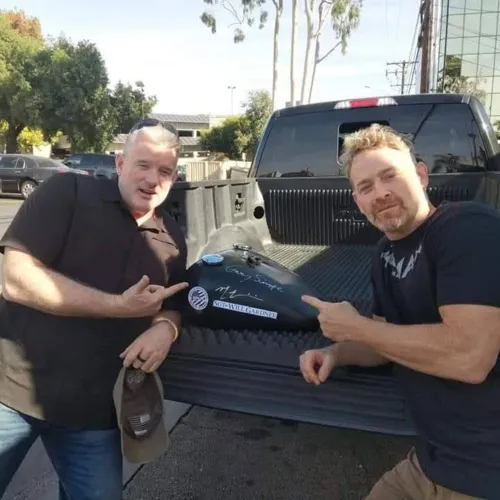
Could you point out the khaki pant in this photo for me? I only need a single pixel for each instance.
(408, 482)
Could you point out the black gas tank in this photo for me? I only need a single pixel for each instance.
(241, 289)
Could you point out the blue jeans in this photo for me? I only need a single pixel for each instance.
(88, 463)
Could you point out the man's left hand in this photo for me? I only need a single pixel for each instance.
(149, 350)
(337, 320)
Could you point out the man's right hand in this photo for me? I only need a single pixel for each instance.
(317, 364)
(143, 299)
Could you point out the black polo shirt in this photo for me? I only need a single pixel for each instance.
(62, 369)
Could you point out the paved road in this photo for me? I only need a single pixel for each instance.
(223, 455)
(8, 208)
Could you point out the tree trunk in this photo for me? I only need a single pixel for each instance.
(292, 52)
(310, 36)
(315, 64)
(11, 138)
(279, 9)
(322, 18)
(305, 76)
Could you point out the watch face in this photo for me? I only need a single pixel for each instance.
(212, 259)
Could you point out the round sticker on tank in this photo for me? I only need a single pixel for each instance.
(198, 298)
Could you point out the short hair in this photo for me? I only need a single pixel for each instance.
(155, 133)
(374, 137)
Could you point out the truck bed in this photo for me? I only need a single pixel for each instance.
(257, 372)
(338, 272)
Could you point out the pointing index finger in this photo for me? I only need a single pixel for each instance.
(313, 301)
(172, 290)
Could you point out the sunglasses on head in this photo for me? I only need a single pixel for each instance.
(153, 122)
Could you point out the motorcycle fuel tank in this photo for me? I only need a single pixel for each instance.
(243, 290)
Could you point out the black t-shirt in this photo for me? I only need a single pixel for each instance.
(453, 258)
(62, 369)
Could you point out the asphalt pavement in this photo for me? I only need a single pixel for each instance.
(220, 455)
(8, 208)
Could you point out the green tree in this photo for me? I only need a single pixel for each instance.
(74, 95)
(130, 104)
(452, 81)
(258, 108)
(344, 17)
(57, 86)
(28, 139)
(230, 138)
(240, 134)
(4, 127)
(242, 12)
(17, 95)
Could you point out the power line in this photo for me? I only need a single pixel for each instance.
(400, 71)
(414, 41)
(405, 83)
(413, 74)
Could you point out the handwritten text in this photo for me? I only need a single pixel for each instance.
(226, 293)
(261, 280)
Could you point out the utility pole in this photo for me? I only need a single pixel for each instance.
(424, 44)
(400, 71)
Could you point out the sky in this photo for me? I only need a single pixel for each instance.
(164, 44)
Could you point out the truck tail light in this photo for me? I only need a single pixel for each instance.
(366, 103)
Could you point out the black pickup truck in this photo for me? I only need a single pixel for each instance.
(296, 210)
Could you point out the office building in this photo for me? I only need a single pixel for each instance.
(465, 49)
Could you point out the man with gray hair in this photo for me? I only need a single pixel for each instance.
(89, 270)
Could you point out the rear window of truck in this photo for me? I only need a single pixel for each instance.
(446, 138)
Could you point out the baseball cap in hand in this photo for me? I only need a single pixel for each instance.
(138, 399)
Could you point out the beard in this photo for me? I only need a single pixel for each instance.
(392, 224)
(391, 216)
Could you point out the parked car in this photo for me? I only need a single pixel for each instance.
(23, 173)
(97, 164)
